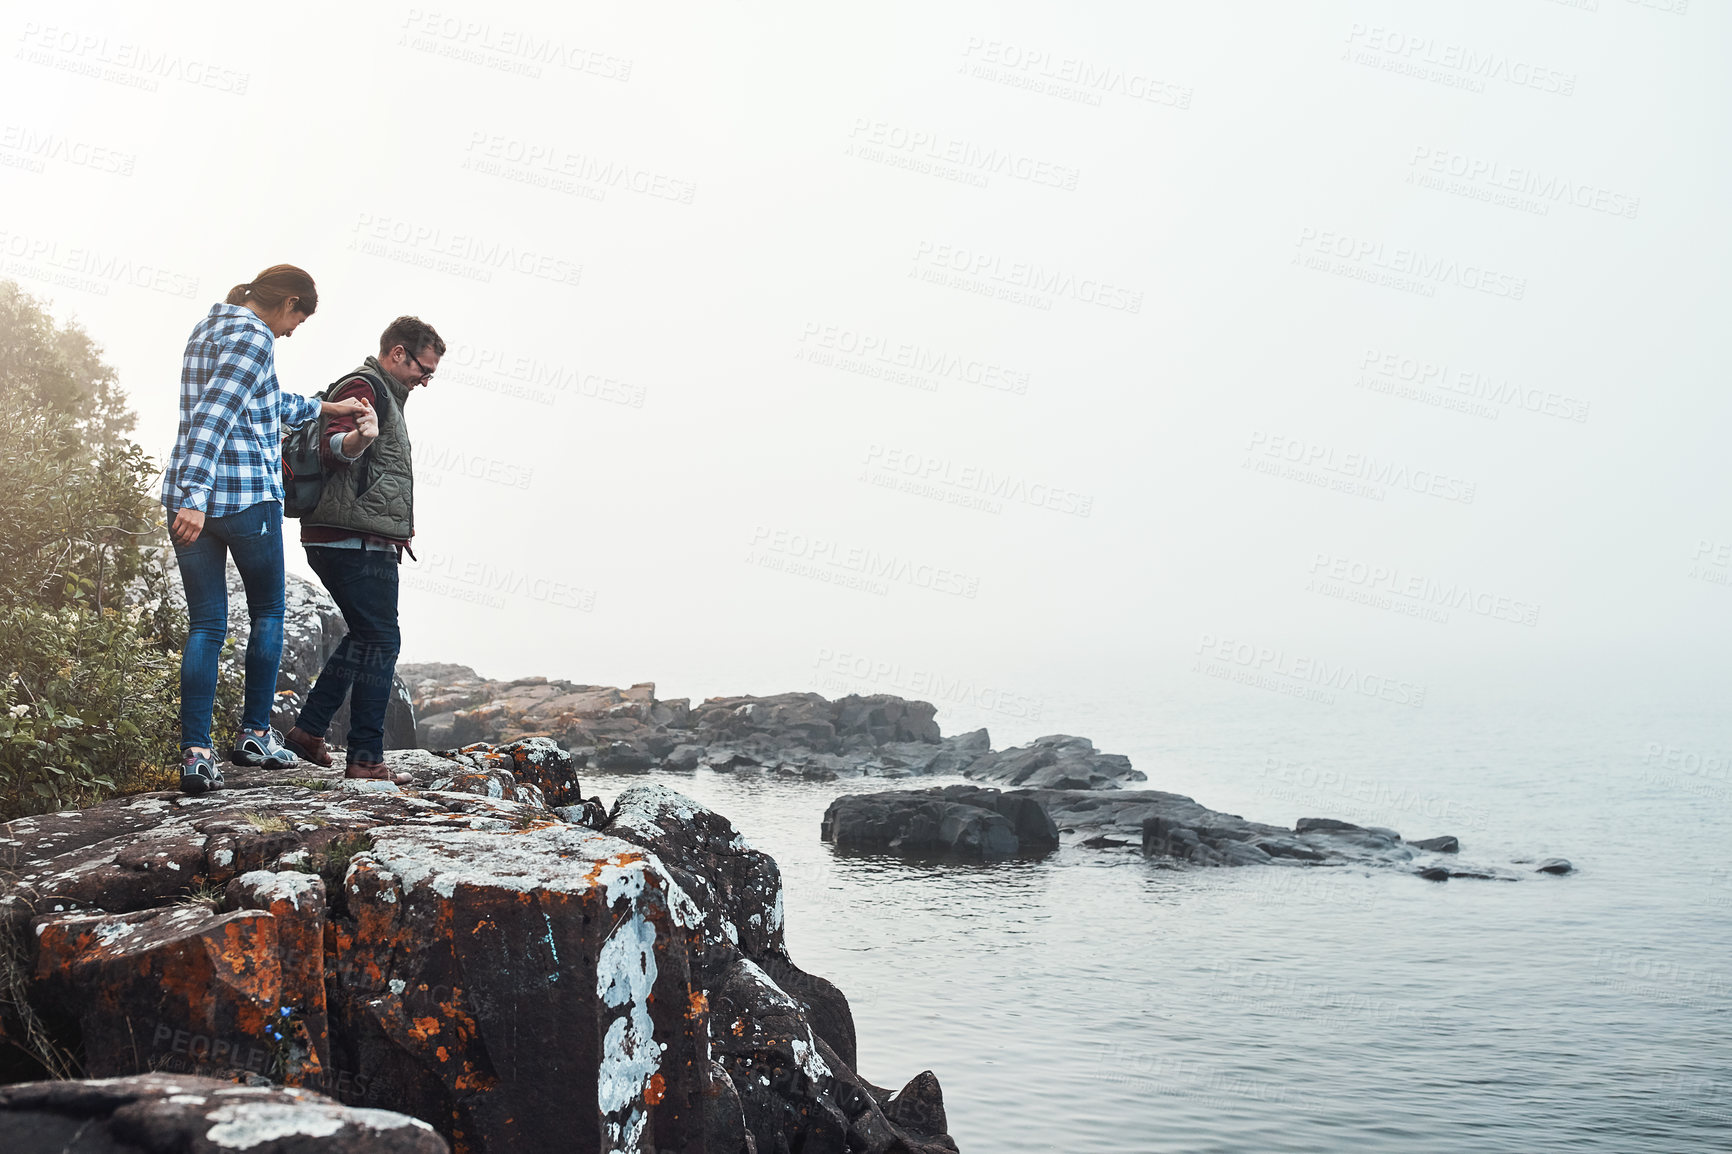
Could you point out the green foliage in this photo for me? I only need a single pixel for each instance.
(89, 640)
(58, 369)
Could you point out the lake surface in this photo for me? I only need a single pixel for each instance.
(1096, 1002)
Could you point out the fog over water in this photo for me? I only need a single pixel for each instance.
(1267, 391)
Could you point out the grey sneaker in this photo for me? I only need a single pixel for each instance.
(199, 775)
(267, 751)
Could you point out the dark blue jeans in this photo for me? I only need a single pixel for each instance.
(254, 537)
(363, 583)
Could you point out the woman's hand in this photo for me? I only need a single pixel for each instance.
(353, 407)
(186, 526)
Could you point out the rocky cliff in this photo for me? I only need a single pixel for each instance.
(486, 951)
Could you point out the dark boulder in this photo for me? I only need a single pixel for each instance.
(1554, 865)
(956, 821)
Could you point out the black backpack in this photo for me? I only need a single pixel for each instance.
(303, 468)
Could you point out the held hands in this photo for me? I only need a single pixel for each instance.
(186, 526)
(367, 422)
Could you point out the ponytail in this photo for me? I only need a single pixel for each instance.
(276, 285)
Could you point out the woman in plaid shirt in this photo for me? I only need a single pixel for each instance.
(223, 490)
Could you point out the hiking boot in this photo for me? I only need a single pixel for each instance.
(374, 771)
(307, 747)
(266, 751)
(199, 774)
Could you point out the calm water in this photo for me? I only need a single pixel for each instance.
(1095, 1003)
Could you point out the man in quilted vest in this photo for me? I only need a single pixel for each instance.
(355, 539)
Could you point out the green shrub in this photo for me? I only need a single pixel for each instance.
(89, 640)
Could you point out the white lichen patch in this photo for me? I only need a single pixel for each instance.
(290, 886)
(222, 858)
(249, 1124)
(560, 858)
(111, 932)
(625, 973)
(397, 985)
(642, 809)
(361, 785)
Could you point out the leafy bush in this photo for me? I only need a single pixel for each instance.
(89, 640)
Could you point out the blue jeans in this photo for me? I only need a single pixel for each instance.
(254, 537)
(363, 583)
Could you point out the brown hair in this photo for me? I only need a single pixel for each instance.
(413, 333)
(276, 285)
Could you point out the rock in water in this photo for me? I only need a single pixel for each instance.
(1058, 761)
(164, 1112)
(955, 821)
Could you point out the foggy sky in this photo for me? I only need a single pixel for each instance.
(1001, 345)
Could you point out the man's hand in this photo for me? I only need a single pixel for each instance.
(365, 432)
(186, 526)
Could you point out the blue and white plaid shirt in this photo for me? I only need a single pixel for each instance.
(228, 453)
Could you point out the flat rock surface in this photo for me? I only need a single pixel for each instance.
(171, 1114)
